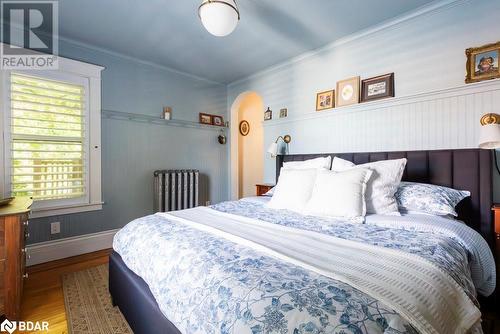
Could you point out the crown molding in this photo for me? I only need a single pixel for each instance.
(429, 9)
(89, 47)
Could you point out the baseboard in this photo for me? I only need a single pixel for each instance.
(59, 249)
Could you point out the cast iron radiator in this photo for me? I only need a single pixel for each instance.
(176, 189)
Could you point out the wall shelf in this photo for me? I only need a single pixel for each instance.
(126, 116)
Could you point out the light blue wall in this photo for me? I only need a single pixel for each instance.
(426, 53)
(131, 151)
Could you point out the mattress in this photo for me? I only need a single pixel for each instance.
(209, 283)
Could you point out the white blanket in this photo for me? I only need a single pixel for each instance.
(415, 288)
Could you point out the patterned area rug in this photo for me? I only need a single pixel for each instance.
(88, 303)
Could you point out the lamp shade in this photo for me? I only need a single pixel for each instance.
(489, 136)
(273, 149)
(219, 17)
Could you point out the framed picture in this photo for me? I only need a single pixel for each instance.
(348, 92)
(376, 88)
(217, 120)
(325, 100)
(244, 128)
(283, 113)
(268, 114)
(205, 118)
(482, 63)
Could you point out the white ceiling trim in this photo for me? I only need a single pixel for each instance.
(429, 9)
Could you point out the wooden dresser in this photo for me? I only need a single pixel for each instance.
(263, 188)
(13, 223)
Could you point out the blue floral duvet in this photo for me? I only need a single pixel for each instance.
(207, 284)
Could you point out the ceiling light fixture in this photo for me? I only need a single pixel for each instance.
(219, 17)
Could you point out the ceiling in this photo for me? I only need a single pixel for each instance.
(169, 32)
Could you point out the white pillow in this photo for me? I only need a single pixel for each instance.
(339, 194)
(316, 163)
(293, 190)
(382, 185)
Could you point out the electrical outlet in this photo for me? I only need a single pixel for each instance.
(55, 227)
(207, 203)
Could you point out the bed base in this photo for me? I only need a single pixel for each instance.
(132, 295)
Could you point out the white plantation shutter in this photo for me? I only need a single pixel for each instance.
(47, 136)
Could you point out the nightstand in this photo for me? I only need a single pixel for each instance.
(496, 210)
(263, 188)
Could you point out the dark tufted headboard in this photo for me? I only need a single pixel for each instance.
(464, 169)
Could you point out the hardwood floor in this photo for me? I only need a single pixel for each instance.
(43, 298)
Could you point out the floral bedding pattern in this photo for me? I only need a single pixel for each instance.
(429, 198)
(206, 284)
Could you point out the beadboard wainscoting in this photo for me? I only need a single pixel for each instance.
(442, 119)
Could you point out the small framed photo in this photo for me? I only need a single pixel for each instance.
(217, 120)
(482, 63)
(379, 87)
(268, 114)
(205, 118)
(348, 92)
(283, 113)
(325, 100)
(244, 128)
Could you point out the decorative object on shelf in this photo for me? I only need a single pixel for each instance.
(483, 63)
(205, 118)
(489, 134)
(217, 120)
(222, 137)
(273, 148)
(379, 87)
(167, 113)
(348, 91)
(244, 128)
(219, 17)
(268, 114)
(283, 113)
(325, 100)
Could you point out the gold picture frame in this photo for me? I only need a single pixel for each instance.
(325, 100)
(348, 91)
(483, 63)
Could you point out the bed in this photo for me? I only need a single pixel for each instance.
(239, 267)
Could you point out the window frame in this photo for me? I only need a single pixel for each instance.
(72, 71)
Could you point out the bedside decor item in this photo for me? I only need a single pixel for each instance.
(205, 118)
(167, 113)
(6, 201)
(379, 87)
(348, 92)
(217, 120)
(483, 63)
(219, 17)
(283, 113)
(268, 114)
(325, 100)
(222, 137)
(489, 134)
(244, 128)
(273, 148)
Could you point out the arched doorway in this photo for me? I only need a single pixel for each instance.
(247, 165)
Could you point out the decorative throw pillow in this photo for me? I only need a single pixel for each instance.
(293, 190)
(382, 185)
(339, 194)
(316, 163)
(429, 198)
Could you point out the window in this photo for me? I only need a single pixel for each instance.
(47, 138)
(51, 142)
